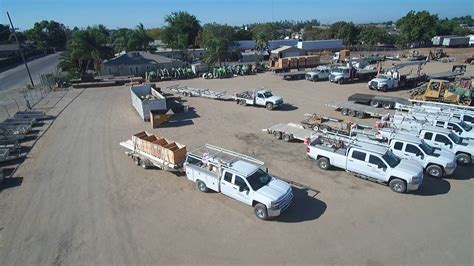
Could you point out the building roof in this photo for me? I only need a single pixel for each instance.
(259, 53)
(284, 48)
(244, 45)
(138, 58)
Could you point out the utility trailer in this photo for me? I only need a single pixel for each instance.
(38, 115)
(290, 131)
(148, 150)
(8, 135)
(359, 110)
(15, 129)
(327, 124)
(8, 154)
(9, 144)
(203, 93)
(21, 121)
(386, 102)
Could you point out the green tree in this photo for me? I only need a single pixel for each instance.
(48, 34)
(346, 31)
(373, 35)
(317, 34)
(262, 33)
(242, 34)
(450, 27)
(416, 26)
(4, 33)
(216, 38)
(181, 30)
(154, 33)
(86, 50)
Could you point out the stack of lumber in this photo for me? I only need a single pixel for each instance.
(160, 147)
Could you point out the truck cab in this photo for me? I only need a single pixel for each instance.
(446, 139)
(339, 74)
(318, 74)
(383, 82)
(459, 127)
(260, 98)
(436, 161)
(239, 177)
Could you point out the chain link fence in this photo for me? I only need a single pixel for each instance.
(25, 98)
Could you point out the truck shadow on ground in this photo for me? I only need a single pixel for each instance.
(9, 181)
(432, 187)
(287, 107)
(304, 207)
(462, 173)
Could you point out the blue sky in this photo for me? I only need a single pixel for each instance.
(123, 13)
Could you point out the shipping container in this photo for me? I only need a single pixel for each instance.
(456, 41)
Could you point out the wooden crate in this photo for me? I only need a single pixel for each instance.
(160, 147)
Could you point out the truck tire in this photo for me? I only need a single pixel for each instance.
(344, 112)
(374, 103)
(136, 159)
(397, 185)
(242, 102)
(201, 186)
(316, 128)
(388, 105)
(261, 211)
(286, 137)
(324, 129)
(339, 82)
(277, 134)
(435, 171)
(323, 163)
(269, 106)
(384, 88)
(351, 112)
(144, 164)
(360, 115)
(463, 158)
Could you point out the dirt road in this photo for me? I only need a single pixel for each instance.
(82, 201)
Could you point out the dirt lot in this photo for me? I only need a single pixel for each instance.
(82, 201)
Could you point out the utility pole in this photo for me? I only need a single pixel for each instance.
(21, 51)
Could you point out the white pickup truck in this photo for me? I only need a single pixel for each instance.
(440, 138)
(416, 122)
(445, 139)
(320, 73)
(259, 98)
(368, 161)
(383, 82)
(239, 177)
(436, 162)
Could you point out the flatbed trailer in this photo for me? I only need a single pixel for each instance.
(447, 75)
(144, 159)
(203, 93)
(294, 75)
(386, 102)
(359, 110)
(290, 131)
(327, 124)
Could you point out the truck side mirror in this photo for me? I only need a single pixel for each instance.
(266, 170)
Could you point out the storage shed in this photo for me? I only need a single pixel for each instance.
(286, 51)
(456, 41)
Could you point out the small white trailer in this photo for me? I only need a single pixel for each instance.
(203, 93)
(145, 99)
(290, 131)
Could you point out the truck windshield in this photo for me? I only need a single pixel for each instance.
(259, 179)
(426, 148)
(391, 159)
(455, 138)
(465, 126)
(267, 94)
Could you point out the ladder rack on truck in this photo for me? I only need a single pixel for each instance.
(359, 110)
(204, 93)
